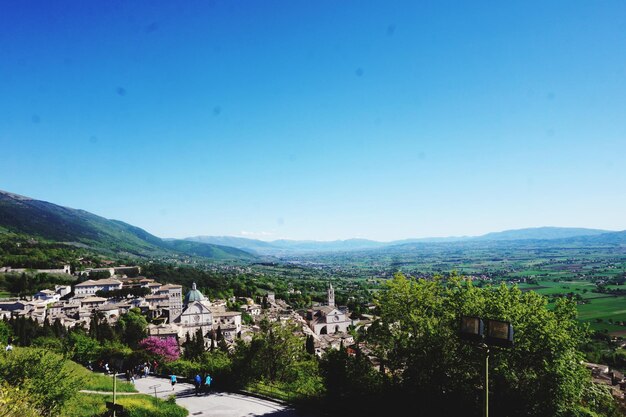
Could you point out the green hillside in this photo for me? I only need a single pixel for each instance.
(23, 215)
(207, 250)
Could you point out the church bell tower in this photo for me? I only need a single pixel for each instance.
(331, 295)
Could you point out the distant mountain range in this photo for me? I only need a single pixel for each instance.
(283, 246)
(542, 233)
(49, 221)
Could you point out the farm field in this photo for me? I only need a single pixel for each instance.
(616, 287)
(608, 308)
(560, 287)
(603, 312)
(552, 269)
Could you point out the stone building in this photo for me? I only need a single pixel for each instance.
(328, 319)
(196, 314)
(174, 293)
(229, 322)
(90, 287)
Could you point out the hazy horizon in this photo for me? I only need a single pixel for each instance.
(318, 121)
(271, 239)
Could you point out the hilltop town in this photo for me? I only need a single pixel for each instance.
(170, 313)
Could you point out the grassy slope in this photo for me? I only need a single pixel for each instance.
(90, 405)
(208, 250)
(98, 382)
(62, 224)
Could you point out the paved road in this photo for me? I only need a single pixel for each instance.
(215, 404)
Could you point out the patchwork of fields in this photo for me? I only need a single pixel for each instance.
(604, 312)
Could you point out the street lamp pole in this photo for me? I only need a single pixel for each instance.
(486, 400)
(486, 333)
(114, 391)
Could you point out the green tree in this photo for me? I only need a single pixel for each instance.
(132, 327)
(99, 327)
(83, 348)
(246, 318)
(99, 274)
(350, 381)
(24, 329)
(193, 347)
(59, 329)
(5, 332)
(271, 352)
(416, 340)
(219, 365)
(50, 343)
(310, 345)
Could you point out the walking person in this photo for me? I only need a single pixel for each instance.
(146, 370)
(198, 381)
(173, 380)
(207, 383)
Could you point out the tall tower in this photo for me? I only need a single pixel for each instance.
(331, 295)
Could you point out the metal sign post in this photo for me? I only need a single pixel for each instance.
(114, 392)
(487, 382)
(155, 392)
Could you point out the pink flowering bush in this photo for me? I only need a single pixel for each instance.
(166, 348)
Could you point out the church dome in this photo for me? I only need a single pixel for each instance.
(193, 295)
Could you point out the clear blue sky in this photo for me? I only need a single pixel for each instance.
(318, 119)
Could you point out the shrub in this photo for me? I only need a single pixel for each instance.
(43, 375)
(15, 403)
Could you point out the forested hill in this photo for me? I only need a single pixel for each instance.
(49, 221)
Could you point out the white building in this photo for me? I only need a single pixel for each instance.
(90, 287)
(229, 322)
(195, 315)
(92, 302)
(110, 311)
(252, 309)
(199, 313)
(47, 296)
(62, 290)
